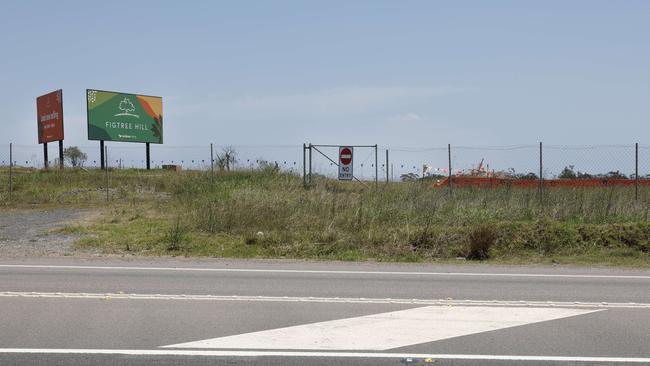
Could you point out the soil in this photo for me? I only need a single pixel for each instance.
(33, 232)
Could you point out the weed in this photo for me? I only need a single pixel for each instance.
(175, 236)
(481, 240)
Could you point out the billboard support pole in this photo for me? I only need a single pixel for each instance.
(61, 154)
(148, 156)
(101, 153)
(46, 163)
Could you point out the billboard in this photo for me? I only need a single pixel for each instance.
(49, 114)
(114, 116)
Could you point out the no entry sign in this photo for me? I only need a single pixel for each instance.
(345, 162)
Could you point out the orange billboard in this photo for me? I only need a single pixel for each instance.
(49, 111)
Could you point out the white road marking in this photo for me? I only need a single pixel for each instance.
(354, 300)
(333, 272)
(136, 352)
(384, 331)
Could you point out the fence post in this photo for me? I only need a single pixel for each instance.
(106, 171)
(541, 178)
(636, 171)
(451, 186)
(304, 164)
(310, 148)
(386, 165)
(376, 168)
(11, 163)
(211, 163)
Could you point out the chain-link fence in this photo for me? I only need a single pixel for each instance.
(195, 157)
(412, 163)
(644, 161)
(614, 161)
(536, 166)
(519, 162)
(322, 160)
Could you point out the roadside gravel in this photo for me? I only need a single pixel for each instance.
(32, 232)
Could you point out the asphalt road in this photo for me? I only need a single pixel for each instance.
(67, 311)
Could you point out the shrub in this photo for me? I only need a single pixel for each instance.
(480, 241)
(422, 240)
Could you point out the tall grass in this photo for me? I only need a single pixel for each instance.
(275, 215)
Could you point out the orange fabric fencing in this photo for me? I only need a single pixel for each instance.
(490, 182)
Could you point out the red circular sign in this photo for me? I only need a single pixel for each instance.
(345, 156)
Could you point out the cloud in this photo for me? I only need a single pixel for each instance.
(352, 99)
(405, 118)
(325, 114)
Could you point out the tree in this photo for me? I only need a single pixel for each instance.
(409, 177)
(267, 166)
(567, 173)
(74, 156)
(583, 175)
(616, 175)
(227, 158)
(528, 176)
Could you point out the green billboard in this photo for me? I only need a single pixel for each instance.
(114, 116)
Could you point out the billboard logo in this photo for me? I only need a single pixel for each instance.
(92, 96)
(126, 106)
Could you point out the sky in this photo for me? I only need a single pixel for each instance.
(396, 73)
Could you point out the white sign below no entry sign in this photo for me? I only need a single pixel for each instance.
(345, 162)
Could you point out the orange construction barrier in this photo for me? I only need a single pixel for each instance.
(492, 182)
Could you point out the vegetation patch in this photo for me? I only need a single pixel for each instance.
(267, 213)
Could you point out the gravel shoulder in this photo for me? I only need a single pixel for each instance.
(33, 232)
